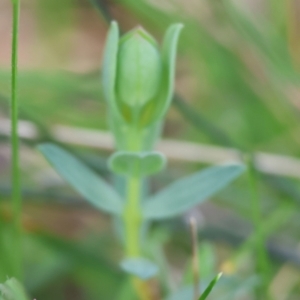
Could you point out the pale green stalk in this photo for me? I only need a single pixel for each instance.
(133, 221)
(15, 172)
(132, 213)
(132, 217)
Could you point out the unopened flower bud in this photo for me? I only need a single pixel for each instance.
(139, 69)
(138, 78)
(138, 83)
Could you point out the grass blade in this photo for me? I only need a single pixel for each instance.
(210, 287)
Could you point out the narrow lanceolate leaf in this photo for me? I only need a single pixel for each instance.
(190, 191)
(210, 287)
(155, 110)
(81, 178)
(169, 50)
(109, 67)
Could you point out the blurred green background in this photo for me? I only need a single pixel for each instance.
(237, 95)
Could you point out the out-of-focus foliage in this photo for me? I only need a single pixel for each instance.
(237, 86)
(12, 289)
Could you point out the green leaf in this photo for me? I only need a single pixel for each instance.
(140, 267)
(109, 68)
(155, 110)
(86, 182)
(190, 191)
(210, 287)
(12, 290)
(137, 163)
(169, 50)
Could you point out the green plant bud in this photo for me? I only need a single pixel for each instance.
(138, 83)
(139, 69)
(138, 77)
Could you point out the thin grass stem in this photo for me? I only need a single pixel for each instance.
(257, 218)
(15, 171)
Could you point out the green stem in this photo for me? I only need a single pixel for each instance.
(15, 172)
(133, 221)
(257, 218)
(134, 140)
(132, 217)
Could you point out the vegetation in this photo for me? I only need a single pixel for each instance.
(235, 107)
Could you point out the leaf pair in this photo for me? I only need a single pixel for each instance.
(171, 201)
(137, 163)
